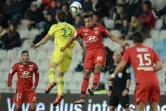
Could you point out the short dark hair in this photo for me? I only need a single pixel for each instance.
(138, 37)
(87, 16)
(148, 4)
(62, 15)
(24, 51)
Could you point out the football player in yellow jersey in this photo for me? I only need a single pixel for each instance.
(62, 32)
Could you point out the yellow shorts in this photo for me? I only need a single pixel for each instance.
(62, 58)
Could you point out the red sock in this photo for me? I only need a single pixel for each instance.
(84, 86)
(17, 110)
(96, 80)
(31, 109)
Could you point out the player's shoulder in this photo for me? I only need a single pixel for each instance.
(18, 64)
(54, 25)
(32, 63)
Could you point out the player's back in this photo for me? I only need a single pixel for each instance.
(143, 59)
(62, 32)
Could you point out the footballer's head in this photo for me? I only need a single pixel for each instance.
(138, 38)
(88, 21)
(61, 16)
(117, 57)
(25, 56)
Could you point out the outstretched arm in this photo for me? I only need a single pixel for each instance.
(115, 39)
(43, 41)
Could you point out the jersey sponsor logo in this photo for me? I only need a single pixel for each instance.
(20, 66)
(99, 58)
(30, 65)
(25, 74)
(92, 39)
(85, 30)
(120, 75)
(127, 70)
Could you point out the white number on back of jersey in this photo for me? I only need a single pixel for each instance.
(145, 57)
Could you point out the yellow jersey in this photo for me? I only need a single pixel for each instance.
(62, 32)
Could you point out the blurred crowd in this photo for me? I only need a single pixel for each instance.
(129, 16)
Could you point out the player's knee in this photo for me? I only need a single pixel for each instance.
(112, 108)
(32, 107)
(98, 66)
(153, 107)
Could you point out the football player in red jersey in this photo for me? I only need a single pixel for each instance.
(142, 59)
(25, 86)
(95, 53)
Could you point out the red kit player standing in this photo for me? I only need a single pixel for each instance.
(142, 59)
(95, 55)
(25, 87)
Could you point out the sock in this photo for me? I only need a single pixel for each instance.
(60, 82)
(96, 80)
(84, 86)
(31, 109)
(51, 75)
(17, 110)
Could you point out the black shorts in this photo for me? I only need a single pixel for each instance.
(117, 97)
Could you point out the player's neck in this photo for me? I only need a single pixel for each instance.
(137, 44)
(25, 63)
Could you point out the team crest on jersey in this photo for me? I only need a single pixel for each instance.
(30, 65)
(120, 75)
(96, 28)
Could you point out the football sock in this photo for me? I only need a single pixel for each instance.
(31, 109)
(60, 82)
(51, 75)
(96, 80)
(84, 86)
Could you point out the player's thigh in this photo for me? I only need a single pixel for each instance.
(31, 97)
(100, 57)
(124, 101)
(154, 93)
(56, 57)
(89, 60)
(114, 101)
(140, 106)
(65, 64)
(154, 106)
(19, 97)
(112, 108)
(141, 94)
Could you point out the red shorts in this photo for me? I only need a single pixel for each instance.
(146, 94)
(21, 96)
(93, 57)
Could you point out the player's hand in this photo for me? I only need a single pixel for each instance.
(62, 49)
(33, 87)
(36, 45)
(109, 93)
(125, 92)
(126, 44)
(10, 88)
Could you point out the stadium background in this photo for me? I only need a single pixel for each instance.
(19, 13)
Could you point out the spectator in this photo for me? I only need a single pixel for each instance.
(136, 25)
(8, 9)
(124, 29)
(147, 17)
(100, 8)
(47, 24)
(53, 8)
(78, 21)
(96, 19)
(159, 14)
(120, 16)
(2, 17)
(35, 17)
(69, 18)
(46, 3)
(2, 33)
(87, 5)
(101, 89)
(11, 38)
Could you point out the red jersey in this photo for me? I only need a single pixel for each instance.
(142, 59)
(93, 36)
(25, 75)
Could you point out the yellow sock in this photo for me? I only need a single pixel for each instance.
(60, 85)
(51, 75)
